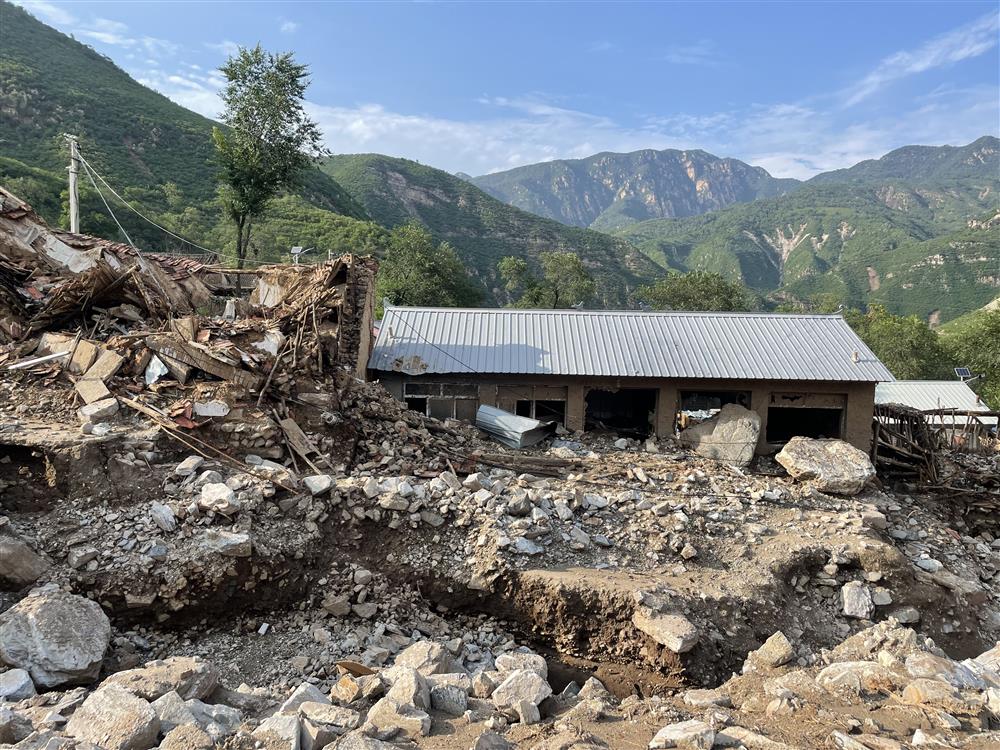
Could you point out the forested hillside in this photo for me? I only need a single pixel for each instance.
(482, 229)
(852, 243)
(157, 154)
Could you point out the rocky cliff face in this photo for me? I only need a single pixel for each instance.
(608, 191)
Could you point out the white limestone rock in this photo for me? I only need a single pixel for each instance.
(856, 599)
(832, 465)
(730, 436)
(114, 719)
(15, 685)
(673, 631)
(58, 638)
(690, 735)
(520, 685)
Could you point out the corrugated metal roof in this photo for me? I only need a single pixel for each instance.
(932, 394)
(744, 346)
(510, 429)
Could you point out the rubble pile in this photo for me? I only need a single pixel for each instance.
(214, 533)
(883, 688)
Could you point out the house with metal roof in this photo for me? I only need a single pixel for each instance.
(633, 372)
(935, 396)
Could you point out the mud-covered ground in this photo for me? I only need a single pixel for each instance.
(411, 538)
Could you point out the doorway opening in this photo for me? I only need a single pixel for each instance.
(542, 410)
(628, 411)
(784, 423)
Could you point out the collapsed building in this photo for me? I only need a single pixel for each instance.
(636, 372)
(244, 544)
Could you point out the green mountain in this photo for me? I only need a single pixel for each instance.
(154, 152)
(159, 156)
(919, 165)
(915, 230)
(608, 191)
(481, 228)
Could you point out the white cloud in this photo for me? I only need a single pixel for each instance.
(702, 52)
(522, 132)
(225, 47)
(789, 139)
(959, 44)
(101, 30)
(196, 91)
(47, 11)
(288, 27)
(603, 45)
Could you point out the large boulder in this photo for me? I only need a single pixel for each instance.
(391, 717)
(673, 631)
(428, 657)
(833, 465)
(189, 677)
(58, 638)
(730, 436)
(114, 719)
(19, 565)
(521, 685)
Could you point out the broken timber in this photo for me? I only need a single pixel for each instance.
(173, 348)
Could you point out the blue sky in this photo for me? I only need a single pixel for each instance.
(795, 87)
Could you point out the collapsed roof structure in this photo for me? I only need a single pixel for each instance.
(149, 331)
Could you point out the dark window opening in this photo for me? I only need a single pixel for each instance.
(784, 423)
(441, 408)
(629, 411)
(417, 404)
(541, 409)
(697, 406)
(713, 400)
(551, 411)
(465, 408)
(422, 389)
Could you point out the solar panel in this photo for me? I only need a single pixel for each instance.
(963, 372)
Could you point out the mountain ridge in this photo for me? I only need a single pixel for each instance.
(615, 189)
(481, 228)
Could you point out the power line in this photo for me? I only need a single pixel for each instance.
(518, 391)
(104, 200)
(135, 210)
(435, 346)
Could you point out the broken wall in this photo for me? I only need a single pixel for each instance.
(504, 391)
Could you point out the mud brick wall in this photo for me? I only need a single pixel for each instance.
(354, 341)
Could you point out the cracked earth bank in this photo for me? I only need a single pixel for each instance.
(435, 590)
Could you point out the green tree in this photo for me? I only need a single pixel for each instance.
(905, 344)
(698, 290)
(565, 281)
(269, 141)
(416, 271)
(977, 346)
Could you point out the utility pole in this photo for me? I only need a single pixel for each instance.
(74, 197)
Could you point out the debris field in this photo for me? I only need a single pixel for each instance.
(215, 534)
